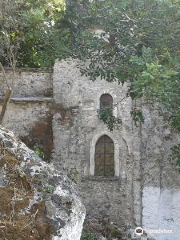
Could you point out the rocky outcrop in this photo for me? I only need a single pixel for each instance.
(36, 201)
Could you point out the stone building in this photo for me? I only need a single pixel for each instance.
(125, 175)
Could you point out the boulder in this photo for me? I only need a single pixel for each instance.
(36, 201)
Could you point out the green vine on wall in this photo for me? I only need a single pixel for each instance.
(38, 151)
(112, 122)
(137, 116)
(175, 155)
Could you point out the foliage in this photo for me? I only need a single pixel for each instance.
(112, 122)
(38, 151)
(29, 31)
(49, 188)
(175, 155)
(73, 174)
(137, 116)
(139, 44)
(86, 235)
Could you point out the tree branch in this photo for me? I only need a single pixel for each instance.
(5, 103)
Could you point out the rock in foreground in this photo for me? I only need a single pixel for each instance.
(36, 201)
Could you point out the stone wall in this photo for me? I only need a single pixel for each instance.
(146, 186)
(147, 190)
(117, 198)
(28, 83)
(29, 111)
(161, 179)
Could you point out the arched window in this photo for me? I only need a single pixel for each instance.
(104, 157)
(106, 101)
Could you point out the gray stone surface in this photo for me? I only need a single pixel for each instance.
(63, 207)
(161, 179)
(75, 139)
(30, 99)
(22, 117)
(148, 184)
(28, 83)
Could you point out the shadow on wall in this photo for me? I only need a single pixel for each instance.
(40, 138)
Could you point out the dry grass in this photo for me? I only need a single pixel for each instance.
(15, 222)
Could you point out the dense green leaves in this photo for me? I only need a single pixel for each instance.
(112, 122)
(138, 43)
(28, 32)
(137, 116)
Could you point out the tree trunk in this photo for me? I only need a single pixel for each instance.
(5, 103)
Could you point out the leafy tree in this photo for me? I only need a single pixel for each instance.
(30, 28)
(26, 29)
(139, 44)
(112, 122)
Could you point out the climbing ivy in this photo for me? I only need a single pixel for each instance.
(175, 155)
(137, 116)
(112, 122)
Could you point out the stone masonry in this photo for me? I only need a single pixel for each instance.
(61, 107)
